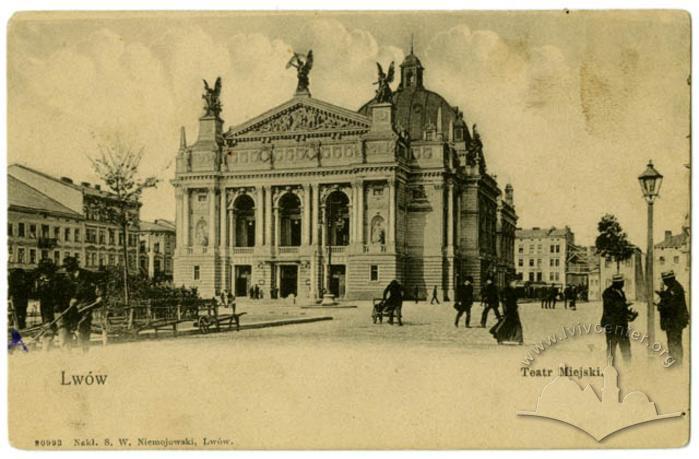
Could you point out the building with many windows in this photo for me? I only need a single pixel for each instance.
(55, 218)
(542, 254)
(310, 197)
(673, 253)
(157, 247)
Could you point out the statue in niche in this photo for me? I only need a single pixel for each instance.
(201, 233)
(378, 234)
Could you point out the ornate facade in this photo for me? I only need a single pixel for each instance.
(310, 197)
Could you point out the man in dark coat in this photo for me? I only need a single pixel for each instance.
(47, 290)
(674, 316)
(615, 318)
(393, 301)
(464, 301)
(81, 291)
(491, 300)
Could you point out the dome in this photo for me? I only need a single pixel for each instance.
(418, 109)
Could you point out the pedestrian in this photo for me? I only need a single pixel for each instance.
(566, 296)
(19, 287)
(434, 296)
(223, 298)
(464, 301)
(573, 297)
(81, 292)
(393, 301)
(615, 318)
(230, 298)
(508, 329)
(553, 297)
(544, 294)
(674, 315)
(47, 292)
(416, 292)
(490, 298)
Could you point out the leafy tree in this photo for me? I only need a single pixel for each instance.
(116, 164)
(612, 242)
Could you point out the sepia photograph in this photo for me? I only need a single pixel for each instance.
(395, 230)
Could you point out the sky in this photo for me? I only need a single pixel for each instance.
(570, 106)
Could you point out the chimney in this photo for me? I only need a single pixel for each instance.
(98, 187)
(668, 234)
(87, 184)
(66, 179)
(536, 228)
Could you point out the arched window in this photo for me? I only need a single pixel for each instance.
(290, 220)
(244, 211)
(337, 208)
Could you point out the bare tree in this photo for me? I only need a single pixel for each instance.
(117, 163)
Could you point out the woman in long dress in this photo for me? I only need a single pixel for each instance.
(509, 328)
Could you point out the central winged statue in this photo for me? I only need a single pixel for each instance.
(303, 67)
(383, 91)
(212, 98)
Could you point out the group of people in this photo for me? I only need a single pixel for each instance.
(67, 295)
(225, 299)
(617, 314)
(550, 295)
(255, 292)
(508, 328)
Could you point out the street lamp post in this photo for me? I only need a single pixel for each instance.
(650, 181)
(328, 297)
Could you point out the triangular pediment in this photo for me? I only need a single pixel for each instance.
(300, 115)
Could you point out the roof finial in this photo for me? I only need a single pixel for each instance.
(412, 43)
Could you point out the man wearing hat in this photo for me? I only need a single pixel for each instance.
(464, 301)
(491, 300)
(615, 318)
(674, 316)
(47, 290)
(80, 291)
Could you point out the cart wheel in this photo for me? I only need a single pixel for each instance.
(204, 324)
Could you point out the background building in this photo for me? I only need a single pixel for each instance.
(54, 217)
(633, 272)
(157, 248)
(543, 255)
(673, 253)
(310, 196)
(40, 227)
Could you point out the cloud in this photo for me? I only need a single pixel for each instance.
(562, 125)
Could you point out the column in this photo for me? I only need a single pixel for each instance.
(223, 209)
(450, 215)
(268, 216)
(450, 241)
(185, 219)
(259, 217)
(359, 209)
(315, 217)
(277, 227)
(232, 228)
(212, 217)
(179, 220)
(323, 226)
(353, 215)
(306, 226)
(392, 214)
